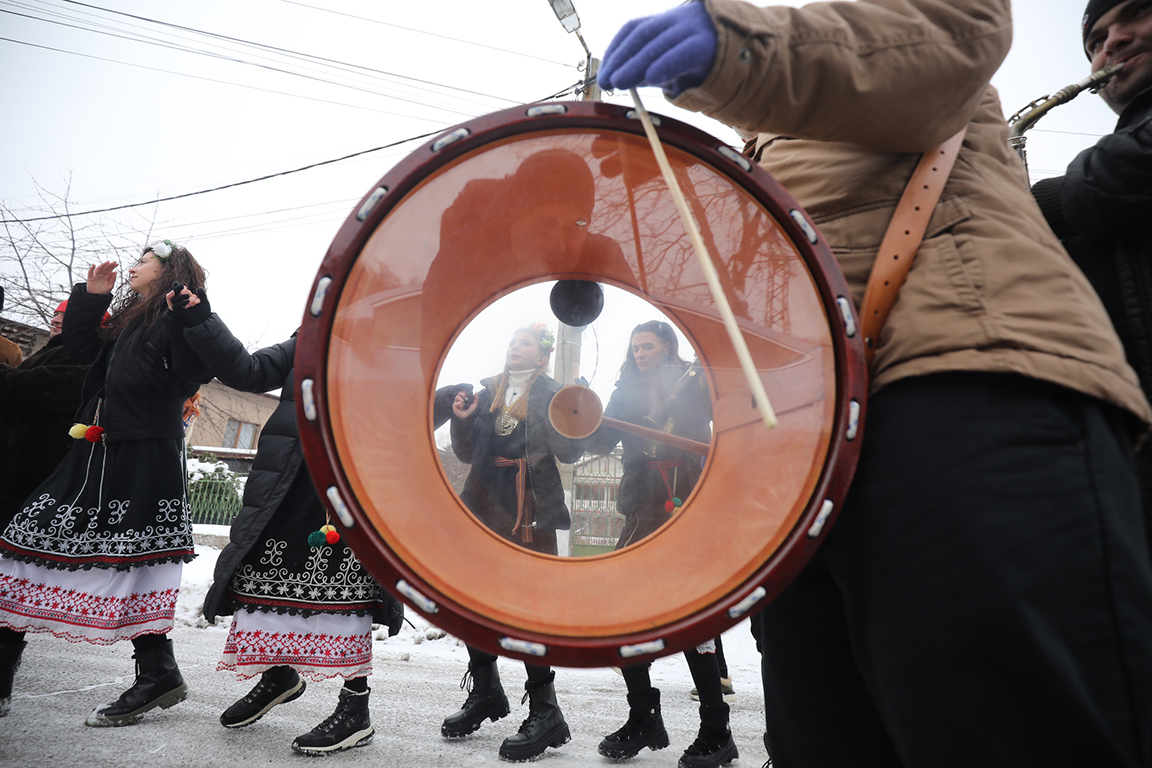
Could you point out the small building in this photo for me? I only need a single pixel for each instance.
(28, 337)
(229, 424)
(596, 525)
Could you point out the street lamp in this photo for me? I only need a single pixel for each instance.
(566, 12)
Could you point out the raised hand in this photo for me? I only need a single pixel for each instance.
(464, 405)
(102, 278)
(673, 50)
(189, 309)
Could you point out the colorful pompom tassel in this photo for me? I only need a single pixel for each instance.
(90, 433)
(673, 505)
(326, 535)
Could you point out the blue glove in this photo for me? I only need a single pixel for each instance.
(673, 50)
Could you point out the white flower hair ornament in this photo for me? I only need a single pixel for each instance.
(163, 249)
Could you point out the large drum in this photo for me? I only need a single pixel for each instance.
(450, 253)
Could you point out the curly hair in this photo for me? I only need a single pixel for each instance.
(129, 306)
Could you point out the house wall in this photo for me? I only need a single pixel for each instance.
(218, 405)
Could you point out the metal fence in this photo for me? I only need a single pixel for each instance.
(596, 525)
(216, 500)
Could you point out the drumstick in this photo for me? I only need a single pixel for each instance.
(655, 435)
(709, 269)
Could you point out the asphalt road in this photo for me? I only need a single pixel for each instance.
(415, 684)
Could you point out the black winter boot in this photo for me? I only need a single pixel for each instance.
(544, 727)
(714, 745)
(9, 663)
(278, 685)
(158, 684)
(645, 728)
(349, 726)
(486, 700)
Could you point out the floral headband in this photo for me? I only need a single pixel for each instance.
(163, 249)
(547, 338)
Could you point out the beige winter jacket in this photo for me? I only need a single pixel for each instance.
(848, 95)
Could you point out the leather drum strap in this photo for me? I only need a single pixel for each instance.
(903, 238)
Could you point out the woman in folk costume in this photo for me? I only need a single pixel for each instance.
(514, 488)
(303, 605)
(97, 551)
(659, 390)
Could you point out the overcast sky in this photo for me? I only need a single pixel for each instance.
(130, 109)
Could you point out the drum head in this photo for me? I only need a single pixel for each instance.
(501, 208)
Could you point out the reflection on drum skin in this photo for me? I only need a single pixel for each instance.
(660, 390)
(514, 488)
(535, 220)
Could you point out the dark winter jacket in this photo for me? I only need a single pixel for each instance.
(279, 456)
(38, 403)
(670, 400)
(1100, 209)
(473, 439)
(144, 376)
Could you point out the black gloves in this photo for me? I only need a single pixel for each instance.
(185, 315)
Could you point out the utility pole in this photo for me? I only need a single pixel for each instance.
(566, 13)
(591, 87)
(566, 368)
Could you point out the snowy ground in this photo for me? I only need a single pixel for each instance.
(414, 685)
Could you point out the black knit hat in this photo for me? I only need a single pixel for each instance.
(1092, 14)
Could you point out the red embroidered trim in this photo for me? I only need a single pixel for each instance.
(323, 655)
(53, 604)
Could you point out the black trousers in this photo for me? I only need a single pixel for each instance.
(536, 673)
(705, 671)
(985, 597)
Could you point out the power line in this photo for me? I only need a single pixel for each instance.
(1069, 133)
(222, 187)
(214, 80)
(234, 60)
(288, 52)
(430, 34)
(553, 96)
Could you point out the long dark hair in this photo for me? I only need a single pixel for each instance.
(130, 307)
(665, 333)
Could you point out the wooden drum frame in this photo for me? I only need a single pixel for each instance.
(428, 248)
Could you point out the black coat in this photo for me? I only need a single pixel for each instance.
(279, 455)
(145, 376)
(38, 403)
(1101, 209)
(666, 400)
(473, 438)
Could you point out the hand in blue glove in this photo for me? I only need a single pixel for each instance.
(673, 50)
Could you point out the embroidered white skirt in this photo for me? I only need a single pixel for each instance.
(100, 605)
(320, 646)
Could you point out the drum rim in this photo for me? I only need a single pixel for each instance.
(841, 457)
